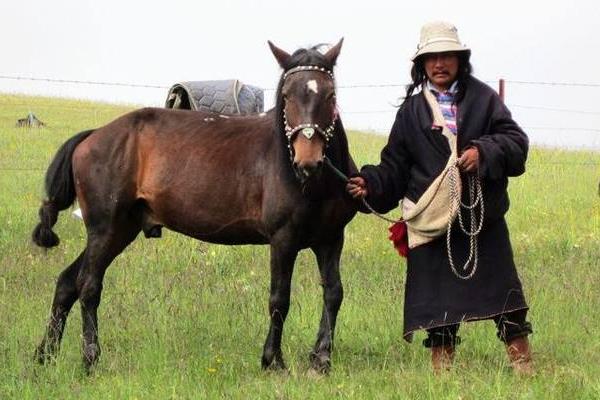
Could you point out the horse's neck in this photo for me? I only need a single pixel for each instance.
(339, 152)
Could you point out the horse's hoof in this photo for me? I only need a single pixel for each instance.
(320, 363)
(277, 364)
(91, 353)
(40, 355)
(153, 231)
(44, 355)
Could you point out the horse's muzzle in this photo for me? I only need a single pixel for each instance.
(305, 171)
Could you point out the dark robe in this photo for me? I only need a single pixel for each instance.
(414, 156)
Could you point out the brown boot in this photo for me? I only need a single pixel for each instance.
(441, 358)
(519, 355)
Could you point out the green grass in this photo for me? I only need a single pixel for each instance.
(184, 319)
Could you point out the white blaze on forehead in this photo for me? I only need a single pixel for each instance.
(312, 85)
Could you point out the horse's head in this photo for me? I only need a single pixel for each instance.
(306, 105)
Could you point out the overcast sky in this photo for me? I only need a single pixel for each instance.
(164, 42)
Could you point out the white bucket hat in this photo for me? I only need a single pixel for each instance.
(438, 37)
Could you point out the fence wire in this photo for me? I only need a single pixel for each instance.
(92, 108)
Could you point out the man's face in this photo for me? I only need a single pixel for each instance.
(441, 68)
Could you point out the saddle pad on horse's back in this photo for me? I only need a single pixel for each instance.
(224, 97)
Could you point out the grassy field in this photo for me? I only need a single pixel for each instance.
(184, 319)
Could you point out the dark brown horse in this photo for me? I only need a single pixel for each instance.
(229, 180)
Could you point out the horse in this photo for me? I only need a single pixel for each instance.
(230, 180)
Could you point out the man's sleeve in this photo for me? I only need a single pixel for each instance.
(387, 182)
(503, 151)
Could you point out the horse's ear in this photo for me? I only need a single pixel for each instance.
(334, 52)
(281, 56)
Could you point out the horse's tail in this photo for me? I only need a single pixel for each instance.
(60, 191)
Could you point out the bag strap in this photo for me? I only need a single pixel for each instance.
(438, 120)
(432, 191)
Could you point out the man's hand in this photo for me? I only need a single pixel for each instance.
(357, 187)
(469, 161)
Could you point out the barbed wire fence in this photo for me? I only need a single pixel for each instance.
(594, 130)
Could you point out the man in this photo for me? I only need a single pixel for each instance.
(453, 142)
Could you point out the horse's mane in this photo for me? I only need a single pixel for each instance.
(312, 56)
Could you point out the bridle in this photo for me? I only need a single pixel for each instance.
(308, 129)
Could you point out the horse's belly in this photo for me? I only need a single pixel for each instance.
(209, 225)
(237, 233)
(209, 207)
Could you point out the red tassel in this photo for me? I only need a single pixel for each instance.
(399, 236)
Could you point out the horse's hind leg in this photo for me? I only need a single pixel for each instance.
(328, 258)
(65, 296)
(103, 246)
(282, 267)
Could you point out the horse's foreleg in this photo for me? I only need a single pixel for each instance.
(282, 267)
(65, 296)
(328, 258)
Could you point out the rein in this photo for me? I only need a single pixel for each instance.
(344, 178)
